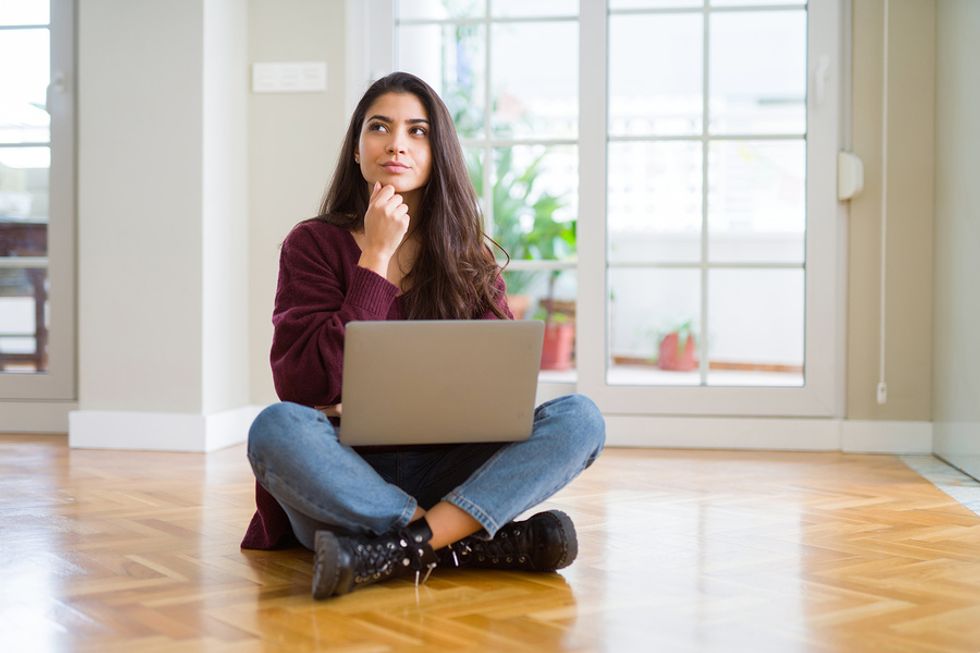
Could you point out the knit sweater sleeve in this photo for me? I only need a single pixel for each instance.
(319, 292)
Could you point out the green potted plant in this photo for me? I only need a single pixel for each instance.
(526, 228)
(524, 220)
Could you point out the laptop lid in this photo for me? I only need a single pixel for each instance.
(439, 381)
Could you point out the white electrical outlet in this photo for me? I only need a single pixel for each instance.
(882, 393)
(289, 77)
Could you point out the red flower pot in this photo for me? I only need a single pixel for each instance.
(673, 357)
(556, 353)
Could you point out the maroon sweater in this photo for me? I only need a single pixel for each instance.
(321, 289)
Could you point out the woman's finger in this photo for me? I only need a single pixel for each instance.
(385, 193)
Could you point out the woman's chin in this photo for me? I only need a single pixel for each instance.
(400, 186)
(384, 181)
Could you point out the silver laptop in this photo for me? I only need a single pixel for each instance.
(440, 381)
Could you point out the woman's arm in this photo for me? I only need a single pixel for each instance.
(311, 313)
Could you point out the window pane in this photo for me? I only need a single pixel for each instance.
(23, 314)
(758, 72)
(653, 316)
(451, 58)
(439, 9)
(757, 201)
(535, 201)
(653, 4)
(23, 118)
(534, 7)
(756, 327)
(655, 74)
(475, 158)
(654, 202)
(535, 80)
(25, 12)
(24, 184)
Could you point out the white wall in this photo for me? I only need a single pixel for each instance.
(956, 404)
(292, 149)
(911, 128)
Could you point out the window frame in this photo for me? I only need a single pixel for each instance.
(58, 381)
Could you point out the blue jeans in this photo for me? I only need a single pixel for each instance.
(324, 484)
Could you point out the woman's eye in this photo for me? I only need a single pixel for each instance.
(419, 131)
(376, 127)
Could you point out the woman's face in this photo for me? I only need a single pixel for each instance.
(394, 147)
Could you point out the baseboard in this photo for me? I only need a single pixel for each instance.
(188, 432)
(35, 416)
(723, 433)
(867, 436)
(230, 427)
(787, 434)
(99, 429)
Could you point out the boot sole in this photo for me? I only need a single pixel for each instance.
(569, 537)
(326, 571)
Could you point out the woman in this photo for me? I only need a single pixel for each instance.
(399, 237)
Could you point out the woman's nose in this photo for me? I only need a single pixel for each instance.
(395, 146)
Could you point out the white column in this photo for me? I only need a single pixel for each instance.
(163, 221)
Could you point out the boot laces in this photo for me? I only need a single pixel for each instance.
(509, 547)
(374, 560)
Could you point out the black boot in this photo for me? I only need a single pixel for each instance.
(343, 564)
(543, 542)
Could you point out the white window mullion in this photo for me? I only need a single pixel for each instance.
(825, 215)
(591, 314)
(702, 346)
(486, 146)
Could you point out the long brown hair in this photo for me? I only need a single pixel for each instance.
(455, 274)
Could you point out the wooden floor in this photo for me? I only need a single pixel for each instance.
(680, 551)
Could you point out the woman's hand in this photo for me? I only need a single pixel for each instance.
(385, 225)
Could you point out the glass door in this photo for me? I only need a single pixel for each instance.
(708, 247)
(36, 200)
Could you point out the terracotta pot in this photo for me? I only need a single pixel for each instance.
(556, 353)
(672, 359)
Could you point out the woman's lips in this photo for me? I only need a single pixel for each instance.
(395, 168)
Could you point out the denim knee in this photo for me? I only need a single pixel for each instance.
(270, 426)
(592, 426)
(586, 428)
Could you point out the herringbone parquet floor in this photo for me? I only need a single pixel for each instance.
(680, 551)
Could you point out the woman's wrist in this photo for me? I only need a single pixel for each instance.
(377, 263)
